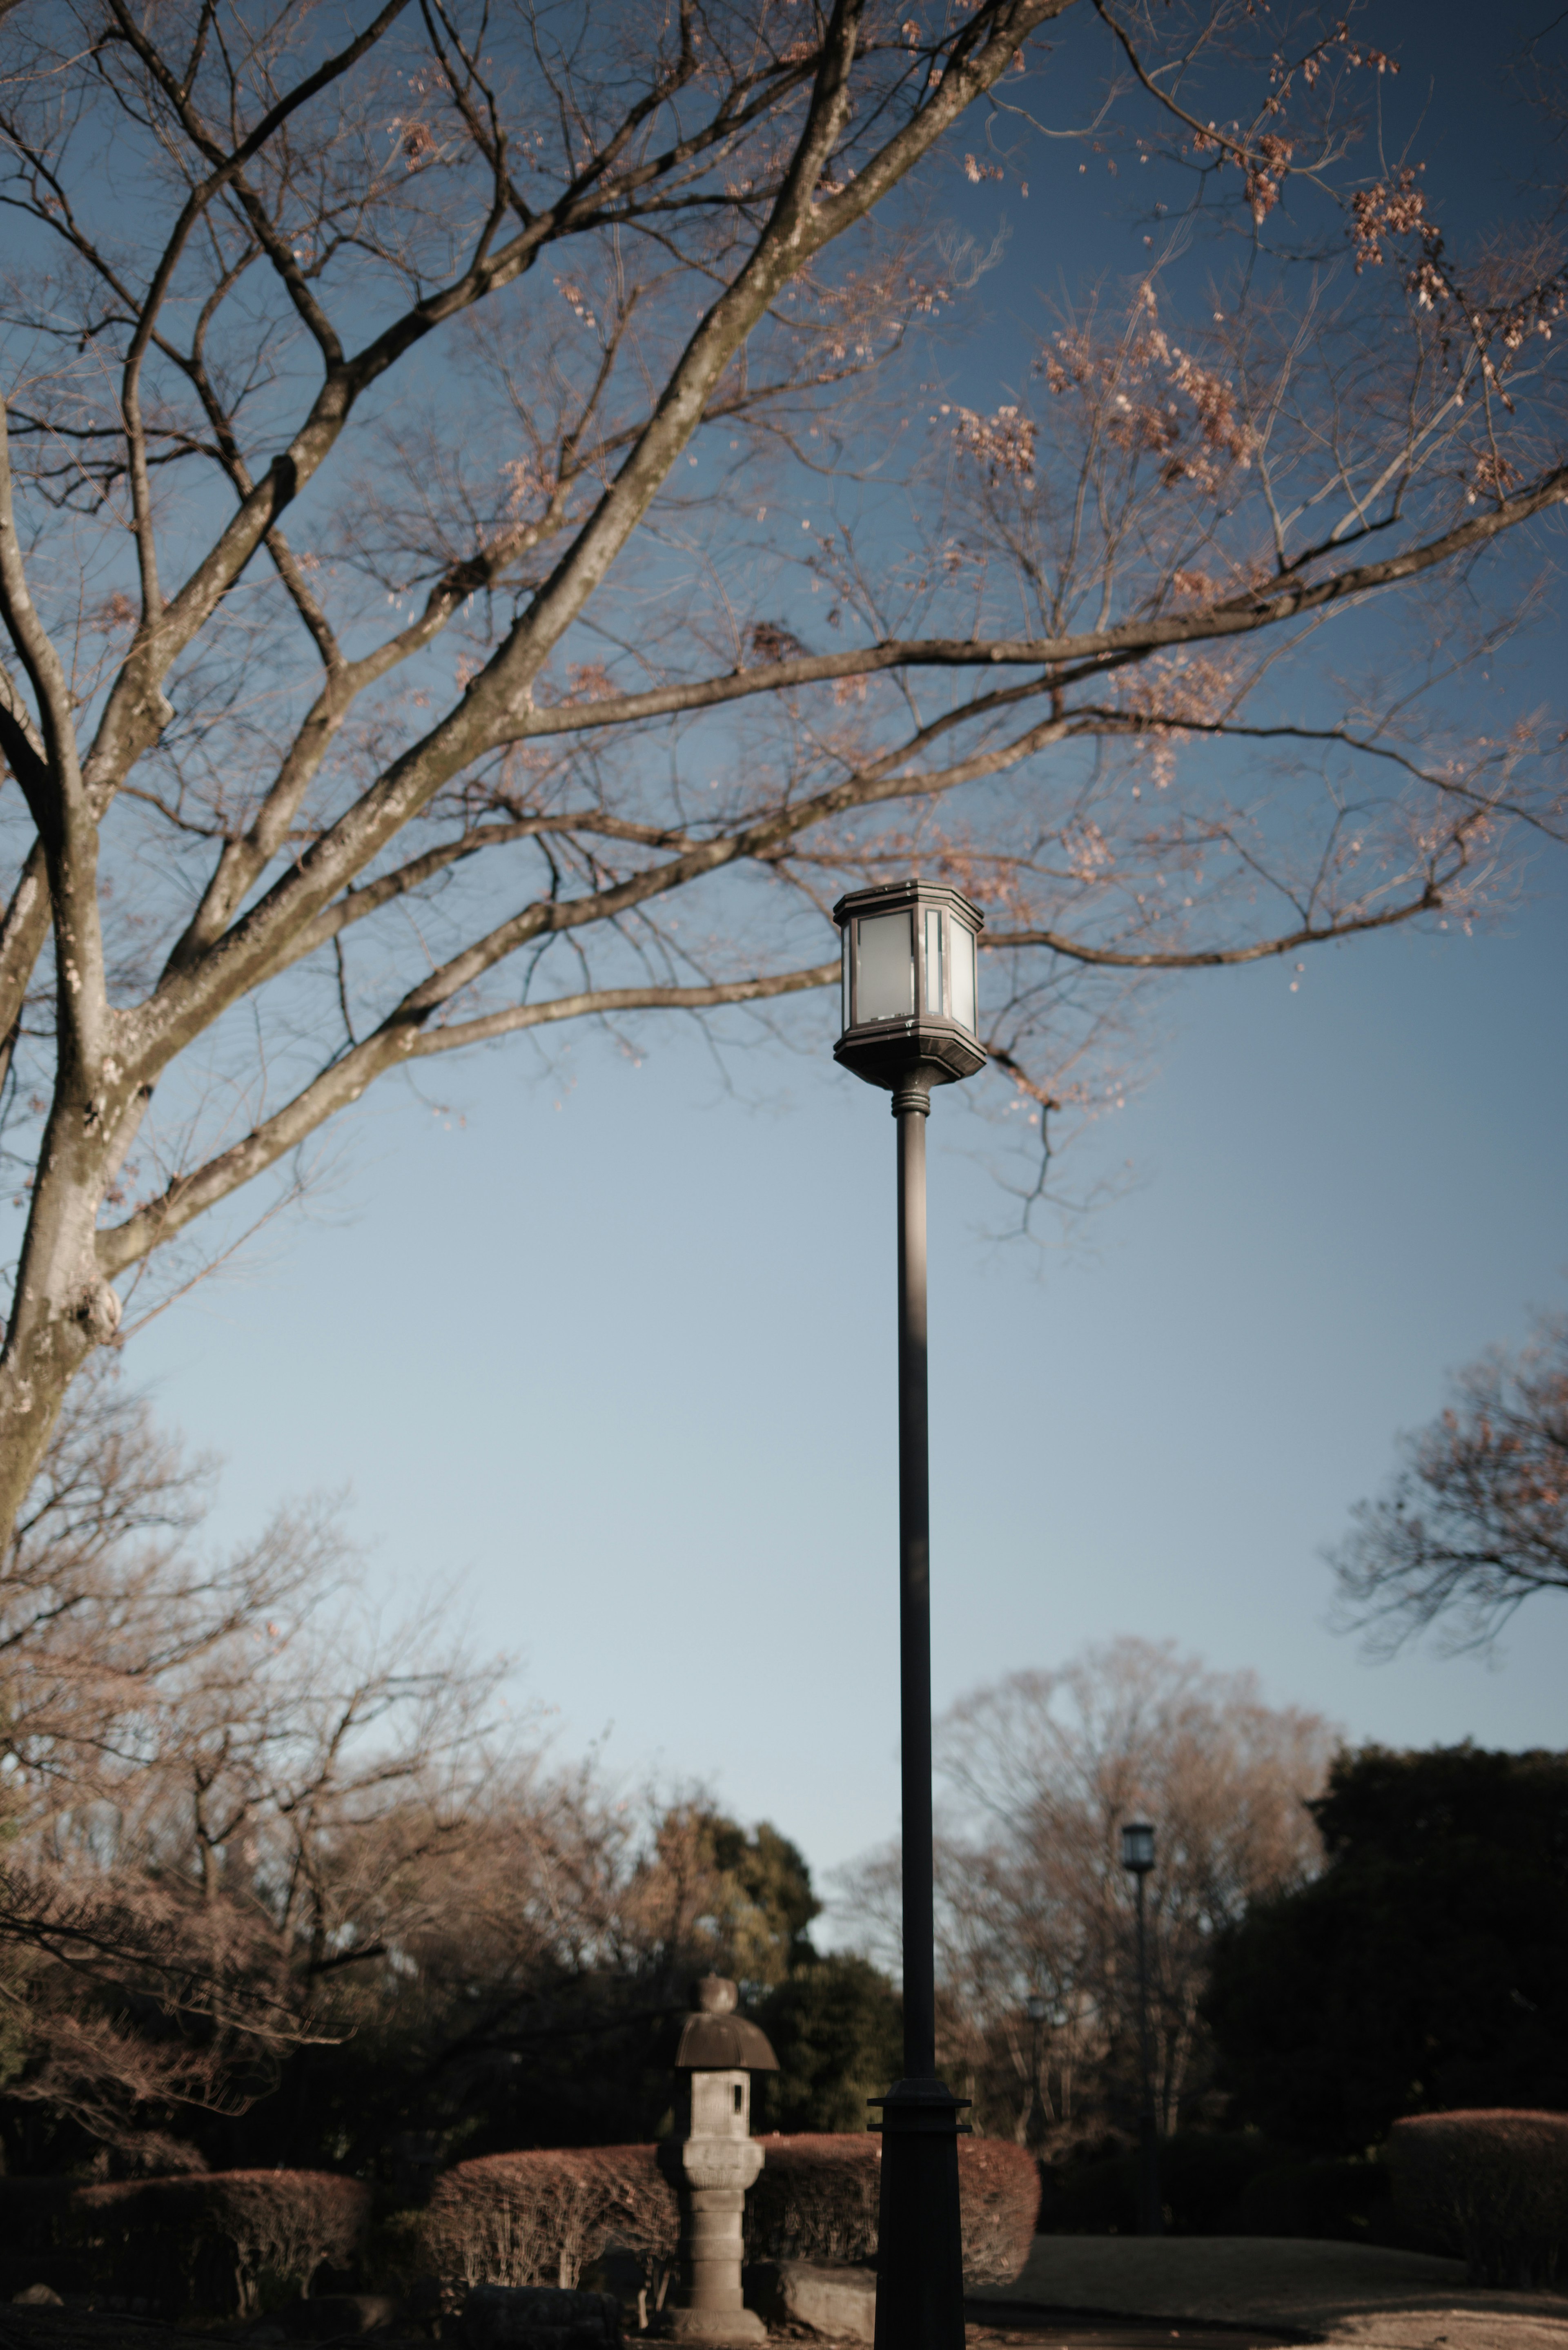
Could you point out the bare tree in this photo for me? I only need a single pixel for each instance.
(403, 482)
(1476, 1520)
(1043, 1769)
(216, 1769)
(107, 1608)
(259, 1840)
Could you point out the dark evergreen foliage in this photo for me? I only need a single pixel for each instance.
(837, 2025)
(1425, 1969)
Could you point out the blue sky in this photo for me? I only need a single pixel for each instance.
(607, 1355)
(617, 1376)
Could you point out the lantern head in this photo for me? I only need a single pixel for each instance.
(1138, 1848)
(909, 997)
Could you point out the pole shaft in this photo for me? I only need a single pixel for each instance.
(1147, 2106)
(915, 1606)
(919, 2260)
(1151, 2215)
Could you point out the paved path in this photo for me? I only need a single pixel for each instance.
(999, 2322)
(1360, 2295)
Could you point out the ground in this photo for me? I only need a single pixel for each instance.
(1103, 2292)
(1076, 2329)
(1267, 2289)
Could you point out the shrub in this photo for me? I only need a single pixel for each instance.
(818, 2201)
(537, 2217)
(1094, 2196)
(998, 2199)
(1490, 2185)
(218, 2239)
(1347, 2200)
(34, 2236)
(1223, 2183)
(34, 2213)
(1203, 2175)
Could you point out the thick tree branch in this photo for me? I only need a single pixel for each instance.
(24, 927)
(1237, 615)
(298, 793)
(796, 231)
(402, 1038)
(1310, 934)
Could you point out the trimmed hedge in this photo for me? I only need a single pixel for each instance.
(218, 2240)
(999, 2201)
(539, 2216)
(542, 2216)
(1491, 2186)
(817, 2199)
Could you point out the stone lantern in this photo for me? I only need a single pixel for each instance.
(712, 2162)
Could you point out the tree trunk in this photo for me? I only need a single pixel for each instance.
(63, 1306)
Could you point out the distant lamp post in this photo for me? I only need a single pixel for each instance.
(1138, 1859)
(910, 1023)
(1037, 2007)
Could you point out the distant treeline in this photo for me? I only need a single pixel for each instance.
(279, 1886)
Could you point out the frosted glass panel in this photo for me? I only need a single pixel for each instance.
(886, 978)
(963, 946)
(844, 983)
(933, 960)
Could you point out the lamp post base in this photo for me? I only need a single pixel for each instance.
(1150, 2214)
(920, 2253)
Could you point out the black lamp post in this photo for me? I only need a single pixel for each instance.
(910, 1024)
(1137, 1858)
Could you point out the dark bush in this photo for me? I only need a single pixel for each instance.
(1203, 2174)
(836, 2027)
(539, 2317)
(1348, 2201)
(34, 2213)
(1090, 2194)
(1491, 2186)
(36, 2237)
(221, 2242)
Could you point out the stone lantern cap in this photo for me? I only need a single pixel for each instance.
(717, 2040)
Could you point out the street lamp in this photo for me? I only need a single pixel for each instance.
(1138, 1859)
(910, 1024)
(1037, 2007)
